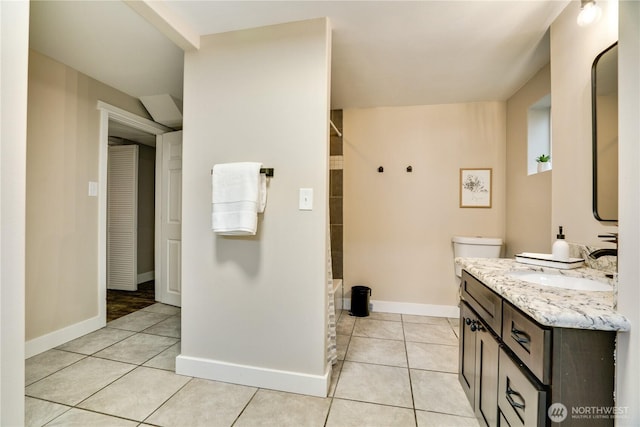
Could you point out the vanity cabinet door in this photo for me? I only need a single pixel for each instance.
(503, 421)
(487, 353)
(521, 399)
(478, 373)
(467, 357)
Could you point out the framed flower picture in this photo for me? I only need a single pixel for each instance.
(475, 188)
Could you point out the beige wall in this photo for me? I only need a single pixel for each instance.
(528, 196)
(62, 220)
(254, 307)
(398, 225)
(573, 50)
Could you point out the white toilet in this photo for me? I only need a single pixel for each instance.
(475, 247)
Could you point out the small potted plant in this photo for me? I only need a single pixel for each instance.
(544, 162)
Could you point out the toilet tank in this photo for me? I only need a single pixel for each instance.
(476, 247)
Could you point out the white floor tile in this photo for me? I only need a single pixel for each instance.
(167, 328)
(434, 334)
(162, 309)
(39, 412)
(342, 342)
(136, 395)
(429, 320)
(137, 321)
(203, 403)
(75, 383)
(345, 324)
(434, 419)
(347, 413)
(439, 392)
(433, 357)
(137, 349)
(79, 418)
(381, 352)
(335, 374)
(386, 385)
(378, 329)
(165, 360)
(378, 315)
(96, 341)
(372, 387)
(275, 408)
(43, 364)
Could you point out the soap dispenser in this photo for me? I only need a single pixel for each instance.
(560, 248)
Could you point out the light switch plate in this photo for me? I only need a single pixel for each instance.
(306, 199)
(93, 189)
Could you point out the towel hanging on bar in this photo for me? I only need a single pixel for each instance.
(238, 195)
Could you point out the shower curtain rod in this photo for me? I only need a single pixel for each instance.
(335, 128)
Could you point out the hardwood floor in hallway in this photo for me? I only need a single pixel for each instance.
(121, 303)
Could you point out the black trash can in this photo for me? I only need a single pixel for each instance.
(360, 301)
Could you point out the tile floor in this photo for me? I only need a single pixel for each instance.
(393, 370)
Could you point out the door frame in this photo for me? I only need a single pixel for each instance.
(109, 112)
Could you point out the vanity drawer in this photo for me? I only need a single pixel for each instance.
(522, 401)
(530, 342)
(482, 300)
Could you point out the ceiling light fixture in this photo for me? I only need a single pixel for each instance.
(590, 12)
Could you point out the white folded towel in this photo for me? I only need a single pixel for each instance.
(238, 194)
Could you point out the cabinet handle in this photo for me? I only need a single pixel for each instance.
(520, 336)
(476, 326)
(512, 402)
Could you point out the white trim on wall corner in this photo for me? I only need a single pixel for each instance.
(293, 382)
(61, 336)
(410, 308)
(145, 277)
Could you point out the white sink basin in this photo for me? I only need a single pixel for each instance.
(560, 281)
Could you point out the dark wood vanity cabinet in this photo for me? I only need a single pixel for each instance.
(513, 369)
(479, 349)
(478, 371)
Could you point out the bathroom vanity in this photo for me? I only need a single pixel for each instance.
(524, 349)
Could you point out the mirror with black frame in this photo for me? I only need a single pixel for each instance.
(604, 108)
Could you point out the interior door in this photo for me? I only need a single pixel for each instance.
(122, 217)
(169, 208)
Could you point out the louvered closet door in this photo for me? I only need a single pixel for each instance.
(122, 217)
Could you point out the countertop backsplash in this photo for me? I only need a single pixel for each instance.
(608, 264)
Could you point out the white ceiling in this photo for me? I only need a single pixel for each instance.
(384, 53)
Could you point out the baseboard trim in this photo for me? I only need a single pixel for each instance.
(293, 382)
(145, 277)
(61, 336)
(410, 308)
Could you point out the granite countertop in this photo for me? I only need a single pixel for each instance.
(551, 306)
